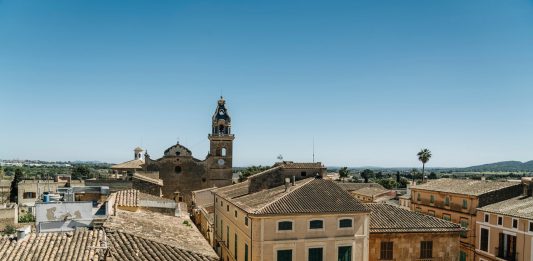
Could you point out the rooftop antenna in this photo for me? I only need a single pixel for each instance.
(313, 149)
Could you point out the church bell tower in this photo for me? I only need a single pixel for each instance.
(221, 146)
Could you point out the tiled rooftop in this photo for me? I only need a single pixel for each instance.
(132, 164)
(521, 207)
(385, 218)
(370, 191)
(168, 230)
(350, 186)
(465, 186)
(131, 197)
(148, 179)
(129, 247)
(306, 196)
(79, 245)
(300, 165)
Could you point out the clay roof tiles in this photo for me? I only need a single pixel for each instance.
(386, 218)
(521, 207)
(132, 164)
(306, 196)
(79, 245)
(465, 186)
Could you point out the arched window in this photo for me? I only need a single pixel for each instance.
(316, 224)
(177, 169)
(223, 152)
(285, 226)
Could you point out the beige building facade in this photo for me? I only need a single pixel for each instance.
(505, 229)
(400, 234)
(292, 222)
(457, 201)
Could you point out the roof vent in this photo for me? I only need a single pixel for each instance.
(23, 232)
(317, 176)
(287, 182)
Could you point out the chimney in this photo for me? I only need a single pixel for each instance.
(483, 177)
(293, 180)
(23, 232)
(287, 182)
(527, 186)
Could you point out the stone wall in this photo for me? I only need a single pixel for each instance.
(113, 184)
(8, 216)
(146, 187)
(406, 246)
(500, 195)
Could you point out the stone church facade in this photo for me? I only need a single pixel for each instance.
(181, 173)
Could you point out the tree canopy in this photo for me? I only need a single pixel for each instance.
(13, 194)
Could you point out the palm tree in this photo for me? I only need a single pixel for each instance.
(423, 156)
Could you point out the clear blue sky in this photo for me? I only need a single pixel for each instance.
(372, 81)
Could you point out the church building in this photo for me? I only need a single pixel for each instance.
(181, 173)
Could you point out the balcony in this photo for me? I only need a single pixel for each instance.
(509, 256)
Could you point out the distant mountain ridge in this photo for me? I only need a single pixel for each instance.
(503, 166)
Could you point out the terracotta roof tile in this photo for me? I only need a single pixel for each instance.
(385, 218)
(78, 245)
(132, 164)
(129, 247)
(521, 207)
(465, 186)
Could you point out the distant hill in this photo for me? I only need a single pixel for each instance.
(509, 166)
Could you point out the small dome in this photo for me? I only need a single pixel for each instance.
(138, 149)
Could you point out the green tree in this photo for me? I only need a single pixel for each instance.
(367, 174)
(387, 183)
(432, 175)
(423, 156)
(1, 172)
(13, 194)
(80, 172)
(415, 174)
(251, 171)
(9, 230)
(343, 173)
(403, 182)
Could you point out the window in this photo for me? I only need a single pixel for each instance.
(418, 197)
(221, 228)
(447, 201)
(285, 226)
(386, 251)
(177, 169)
(235, 247)
(431, 199)
(500, 221)
(465, 204)
(227, 208)
(464, 225)
(246, 221)
(344, 253)
(462, 256)
(530, 226)
(426, 249)
(235, 213)
(487, 218)
(303, 174)
(29, 195)
(446, 217)
(316, 224)
(515, 223)
(431, 213)
(223, 152)
(507, 247)
(284, 255)
(227, 236)
(245, 252)
(315, 254)
(221, 203)
(345, 223)
(484, 240)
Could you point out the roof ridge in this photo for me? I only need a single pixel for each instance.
(265, 171)
(286, 194)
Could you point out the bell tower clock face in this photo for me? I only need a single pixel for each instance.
(220, 162)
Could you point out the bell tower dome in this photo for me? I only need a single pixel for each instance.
(221, 146)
